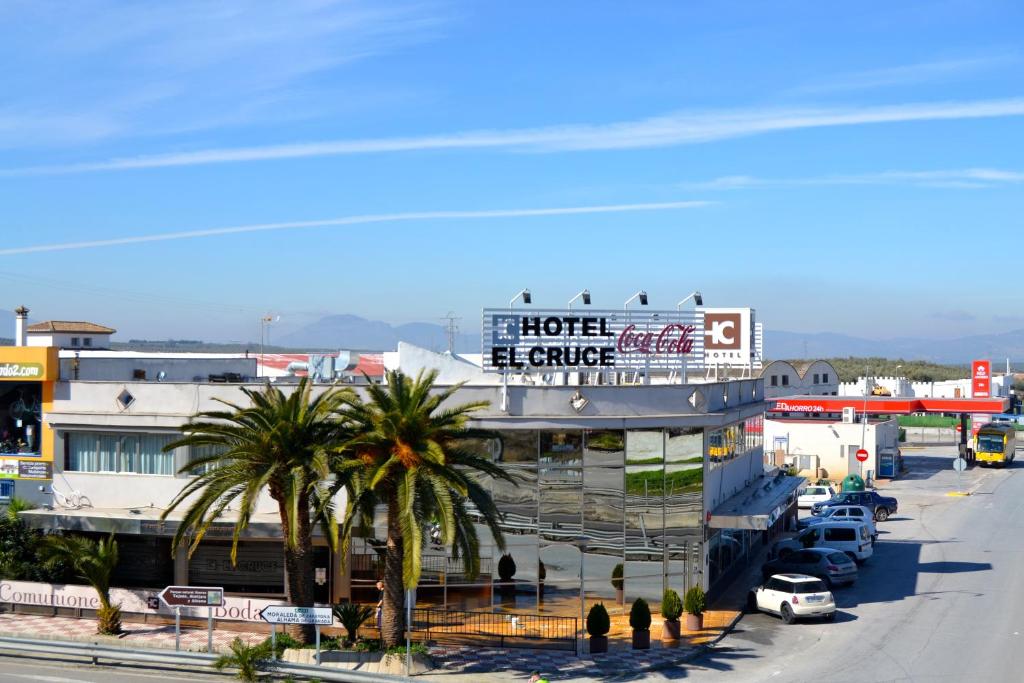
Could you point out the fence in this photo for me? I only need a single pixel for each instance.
(496, 629)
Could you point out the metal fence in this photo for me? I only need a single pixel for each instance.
(496, 629)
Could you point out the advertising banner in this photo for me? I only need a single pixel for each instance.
(566, 340)
(981, 379)
(134, 601)
(12, 468)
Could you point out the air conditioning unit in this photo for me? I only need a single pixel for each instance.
(849, 415)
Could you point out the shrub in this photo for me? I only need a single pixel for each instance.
(695, 601)
(248, 659)
(617, 573)
(506, 567)
(640, 615)
(671, 605)
(902, 435)
(352, 616)
(284, 642)
(598, 621)
(109, 620)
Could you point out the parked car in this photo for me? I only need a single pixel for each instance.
(847, 537)
(814, 494)
(838, 513)
(830, 565)
(793, 596)
(882, 507)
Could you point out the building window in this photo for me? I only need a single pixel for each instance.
(74, 341)
(824, 378)
(6, 489)
(775, 380)
(136, 453)
(201, 453)
(815, 378)
(87, 341)
(785, 380)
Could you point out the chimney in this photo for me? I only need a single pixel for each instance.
(19, 325)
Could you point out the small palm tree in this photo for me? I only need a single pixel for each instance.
(414, 458)
(94, 563)
(247, 659)
(352, 615)
(279, 443)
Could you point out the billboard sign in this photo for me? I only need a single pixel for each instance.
(981, 379)
(565, 340)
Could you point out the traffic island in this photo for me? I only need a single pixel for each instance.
(368, 662)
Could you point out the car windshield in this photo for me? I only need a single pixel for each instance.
(839, 558)
(814, 491)
(811, 587)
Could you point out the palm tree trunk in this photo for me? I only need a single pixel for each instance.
(298, 562)
(393, 619)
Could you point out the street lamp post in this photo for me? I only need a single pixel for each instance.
(527, 299)
(698, 300)
(585, 296)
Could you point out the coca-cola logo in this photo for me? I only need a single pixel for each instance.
(673, 339)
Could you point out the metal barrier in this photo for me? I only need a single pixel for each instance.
(100, 653)
(495, 628)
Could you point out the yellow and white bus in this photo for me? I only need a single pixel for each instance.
(995, 444)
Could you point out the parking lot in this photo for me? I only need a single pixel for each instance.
(939, 600)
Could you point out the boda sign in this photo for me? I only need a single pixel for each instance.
(131, 601)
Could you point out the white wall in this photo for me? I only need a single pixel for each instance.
(901, 387)
(829, 441)
(797, 385)
(63, 340)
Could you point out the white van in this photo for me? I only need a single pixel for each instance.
(850, 537)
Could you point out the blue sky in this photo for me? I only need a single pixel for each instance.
(850, 168)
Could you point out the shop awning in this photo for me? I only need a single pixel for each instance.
(759, 505)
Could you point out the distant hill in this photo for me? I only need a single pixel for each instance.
(347, 331)
(995, 347)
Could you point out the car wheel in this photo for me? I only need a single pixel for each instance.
(751, 603)
(881, 514)
(787, 613)
(831, 616)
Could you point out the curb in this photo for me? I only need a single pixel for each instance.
(698, 650)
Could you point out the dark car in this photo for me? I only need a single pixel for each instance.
(831, 566)
(881, 506)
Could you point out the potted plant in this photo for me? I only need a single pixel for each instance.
(617, 583)
(671, 609)
(506, 570)
(640, 621)
(695, 602)
(598, 625)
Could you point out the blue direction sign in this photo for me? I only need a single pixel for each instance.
(286, 614)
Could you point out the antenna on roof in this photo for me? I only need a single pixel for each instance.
(452, 329)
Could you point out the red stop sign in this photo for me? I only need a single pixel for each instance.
(862, 455)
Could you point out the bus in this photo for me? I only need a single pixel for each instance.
(996, 443)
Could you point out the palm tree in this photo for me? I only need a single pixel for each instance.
(279, 443)
(92, 562)
(247, 659)
(416, 459)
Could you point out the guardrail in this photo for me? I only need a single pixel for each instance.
(100, 653)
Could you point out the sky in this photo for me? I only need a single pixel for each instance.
(178, 170)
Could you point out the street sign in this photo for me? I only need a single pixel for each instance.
(862, 455)
(959, 464)
(286, 614)
(192, 596)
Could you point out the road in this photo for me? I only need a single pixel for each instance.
(941, 600)
(16, 668)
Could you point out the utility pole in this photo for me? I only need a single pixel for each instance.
(452, 329)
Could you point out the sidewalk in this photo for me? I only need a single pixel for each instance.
(135, 635)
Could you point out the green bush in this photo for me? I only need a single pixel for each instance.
(617, 574)
(671, 605)
(352, 615)
(506, 567)
(695, 601)
(640, 615)
(902, 435)
(598, 621)
(248, 659)
(284, 642)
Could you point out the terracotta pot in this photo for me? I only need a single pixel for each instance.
(670, 630)
(642, 639)
(598, 644)
(694, 622)
(620, 596)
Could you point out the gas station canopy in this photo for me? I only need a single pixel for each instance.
(887, 405)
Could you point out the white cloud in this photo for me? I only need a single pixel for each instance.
(357, 220)
(908, 74)
(662, 131)
(968, 178)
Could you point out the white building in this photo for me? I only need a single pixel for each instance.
(901, 387)
(69, 334)
(805, 378)
(822, 448)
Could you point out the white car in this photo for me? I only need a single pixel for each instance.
(814, 494)
(794, 596)
(842, 513)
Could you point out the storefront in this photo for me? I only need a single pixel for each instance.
(27, 377)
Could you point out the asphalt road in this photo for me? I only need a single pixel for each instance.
(941, 600)
(16, 668)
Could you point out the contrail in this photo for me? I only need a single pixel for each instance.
(680, 128)
(356, 220)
